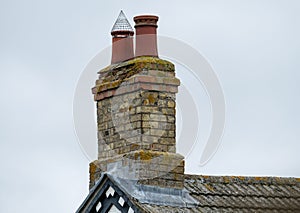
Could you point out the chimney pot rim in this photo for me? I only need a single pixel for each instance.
(151, 17)
(122, 33)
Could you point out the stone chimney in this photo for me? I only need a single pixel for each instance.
(122, 40)
(136, 117)
(145, 40)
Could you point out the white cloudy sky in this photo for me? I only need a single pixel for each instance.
(253, 46)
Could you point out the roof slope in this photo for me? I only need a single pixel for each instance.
(237, 194)
(210, 193)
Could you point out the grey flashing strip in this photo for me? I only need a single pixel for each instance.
(155, 195)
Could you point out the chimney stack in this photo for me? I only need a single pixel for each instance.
(146, 41)
(136, 113)
(122, 40)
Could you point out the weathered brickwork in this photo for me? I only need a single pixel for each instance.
(139, 120)
(136, 115)
(146, 167)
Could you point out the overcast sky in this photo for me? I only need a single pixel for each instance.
(253, 47)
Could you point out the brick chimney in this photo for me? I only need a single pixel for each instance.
(145, 41)
(136, 116)
(122, 40)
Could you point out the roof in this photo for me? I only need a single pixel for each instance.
(238, 194)
(210, 194)
(122, 24)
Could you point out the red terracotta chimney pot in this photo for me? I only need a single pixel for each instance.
(122, 40)
(146, 40)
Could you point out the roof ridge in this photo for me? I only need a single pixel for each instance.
(242, 207)
(219, 194)
(244, 179)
